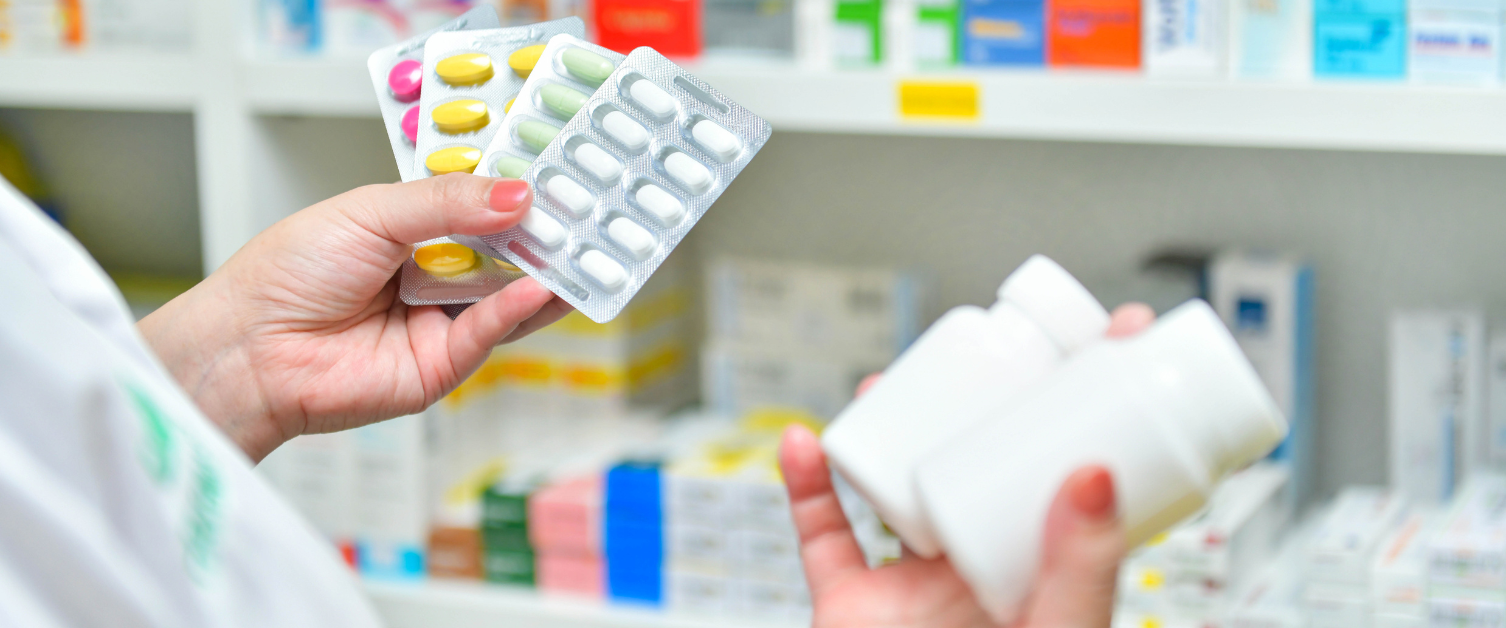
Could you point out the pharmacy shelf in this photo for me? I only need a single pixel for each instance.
(467, 605)
(1134, 108)
(114, 82)
(1113, 107)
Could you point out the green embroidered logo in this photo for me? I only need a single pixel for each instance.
(160, 439)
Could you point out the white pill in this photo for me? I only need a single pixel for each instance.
(632, 237)
(597, 162)
(655, 100)
(661, 204)
(544, 228)
(718, 141)
(605, 270)
(625, 130)
(688, 172)
(570, 194)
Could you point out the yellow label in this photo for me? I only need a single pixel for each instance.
(932, 99)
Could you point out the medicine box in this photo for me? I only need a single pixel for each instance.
(852, 312)
(857, 33)
(1455, 41)
(1436, 394)
(633, 533)
(1272, 39)
(1267, 301)
(1342, 545)
(737, 380)
(748, 28)
(672, 27)
(936, 35)
(1360, 39)
(389, 506)
(1093, 33)
(1185, 38)
(1004, 32)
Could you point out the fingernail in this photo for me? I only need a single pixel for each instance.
(508, 194)
(1094, 494)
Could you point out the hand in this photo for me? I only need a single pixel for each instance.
(1075, 586)
(301, 331)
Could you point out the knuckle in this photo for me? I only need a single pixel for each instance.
(461, 190)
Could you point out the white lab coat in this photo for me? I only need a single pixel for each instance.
(121, 505)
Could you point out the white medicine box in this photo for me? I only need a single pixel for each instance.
(1267, 300)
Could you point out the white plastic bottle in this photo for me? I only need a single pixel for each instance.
(968, 363)
(1169, 412)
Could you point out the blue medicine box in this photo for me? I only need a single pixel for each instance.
(1360, 39)
(633, 531)
(1004, 32)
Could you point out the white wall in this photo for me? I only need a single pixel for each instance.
(125, 182)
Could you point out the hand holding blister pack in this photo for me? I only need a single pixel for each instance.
(397, 75)
(965, 442)
(443, 271)
(619, 185)
(469, 78)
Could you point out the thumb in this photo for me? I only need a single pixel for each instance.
(1080, 560)
(407, 213)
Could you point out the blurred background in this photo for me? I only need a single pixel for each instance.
(1328, 174)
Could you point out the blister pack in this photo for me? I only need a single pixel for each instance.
(449, 271)
(468, 79)
(626, 178)
(397, 74)
(550, 98)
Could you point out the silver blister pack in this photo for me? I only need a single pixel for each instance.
(612, 202)
(386, 77)
(483, 277)
(462, 117)
(551, 96)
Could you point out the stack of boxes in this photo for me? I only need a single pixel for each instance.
(1190, 574)
(571, 387)
(1338, 560)
(507, 554)
(1467, 558)
(787, 336)
(565, 528)
(731, 547)
(1398, 575)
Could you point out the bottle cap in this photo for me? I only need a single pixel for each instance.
(1200, 379)
(1053, 299)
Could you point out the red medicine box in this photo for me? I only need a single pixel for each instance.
(673, 27)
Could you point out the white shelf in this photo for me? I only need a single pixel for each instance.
(1027, 105)
(466, 605)
(114, 82)
(310, 87)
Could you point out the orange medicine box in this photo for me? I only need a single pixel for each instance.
(1093, 33)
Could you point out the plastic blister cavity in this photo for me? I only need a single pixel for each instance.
(568, 72)
(468, 79)
(624, 201)
(453, 279)
(397, 74)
